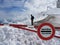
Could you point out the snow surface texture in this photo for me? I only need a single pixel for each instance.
(14, 36)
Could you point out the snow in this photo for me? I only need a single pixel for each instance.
(13, 36)
(41, 18)
(55, 11)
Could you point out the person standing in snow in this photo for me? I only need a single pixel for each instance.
(32, 19)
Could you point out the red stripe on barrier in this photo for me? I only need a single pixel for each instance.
(15, 25)
(57, 27)
(57, 36)
(22, 27)
(1, 24)
(27, 29)
(18, 25)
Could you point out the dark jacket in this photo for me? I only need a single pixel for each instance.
(32, 17)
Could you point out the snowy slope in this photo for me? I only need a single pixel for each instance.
(15, 11)
(14, 36)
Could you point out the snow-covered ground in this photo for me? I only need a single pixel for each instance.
(14, 36)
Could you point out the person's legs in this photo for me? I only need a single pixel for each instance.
(31, 22)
